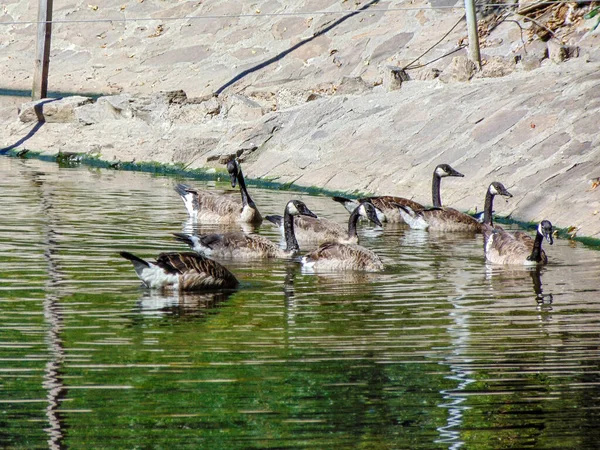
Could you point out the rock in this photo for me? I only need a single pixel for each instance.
(353, 86)
(51, 110)
(497, 67)
(242, 108)
(528, 63)
(557, 52)
(393, 78)
(460, 69)
(425, 74)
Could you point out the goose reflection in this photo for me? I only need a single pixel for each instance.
(191, 304)
(515, 276)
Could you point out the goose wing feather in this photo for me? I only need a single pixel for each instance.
(239, 244)
(450, 219)
(196, 271)
(502, 247)
(337, 256)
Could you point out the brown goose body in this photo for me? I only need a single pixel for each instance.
(336, 256)
(237, 244)
(501, 247)
(182, 272)
(333, 256)
(386, 204)
(450, 219)
(317, 229)
(234, 245)
(209, 207)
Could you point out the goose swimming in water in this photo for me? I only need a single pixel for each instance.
(335, 256)
(450, 219)
(238, 245)
(501, 247)
(310, 229)
(388, 212)
(182, 272)
(209, 207)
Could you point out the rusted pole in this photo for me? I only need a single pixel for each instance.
(472, 31)
(42, 52)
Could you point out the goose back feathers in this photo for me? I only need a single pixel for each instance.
(249, 246)
(182, 272)
(501, 247)
(385, 205)
(209, 207)
(331, 256)
(450, 219)
(311, 229)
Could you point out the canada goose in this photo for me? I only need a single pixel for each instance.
(182, 272)
(337, 256)
(501, 247)
(310, 229)
(208, 207)
(449, 219)
(387, 212)
(237, 244)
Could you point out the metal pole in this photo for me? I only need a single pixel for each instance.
(42, 53)
(473, 36)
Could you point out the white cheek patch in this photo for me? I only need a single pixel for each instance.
(441, 172)
(540, 229)
(493, 190)
(292, 209)
(362, 210)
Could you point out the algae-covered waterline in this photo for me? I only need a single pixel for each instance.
(439, 351)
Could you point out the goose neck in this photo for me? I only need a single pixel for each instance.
(488, 207)
(291, 243)
(536, 253)
(352, 221)
(246, 200)
(435, 190)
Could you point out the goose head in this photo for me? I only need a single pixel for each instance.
(444, 170)
(545, 229)
(297, 208)
(368, 211)
(497, 188)
(234, 170)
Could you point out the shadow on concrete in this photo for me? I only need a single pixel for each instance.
(39, 112)
(291, 49)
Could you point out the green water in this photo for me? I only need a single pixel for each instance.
(440, 351)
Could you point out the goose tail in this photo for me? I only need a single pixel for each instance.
(348, 203)
(275, 219)
(412, 217)
(189, 197)
(142, 268)
(192, 241)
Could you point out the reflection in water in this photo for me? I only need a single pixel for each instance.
(439, 351)
(191, 304)
(511, 276)
(53, 378)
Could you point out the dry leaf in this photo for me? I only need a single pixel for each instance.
(158, 31)
(572, 231)
(122, 8)
(93, 7)
(595, 183)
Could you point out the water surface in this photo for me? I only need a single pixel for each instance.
(439, 351)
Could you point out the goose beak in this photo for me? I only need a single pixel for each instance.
(372, 215)
(303, 210)
(549, 238)
(233, 179)
(309, 213)
(455, 173)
